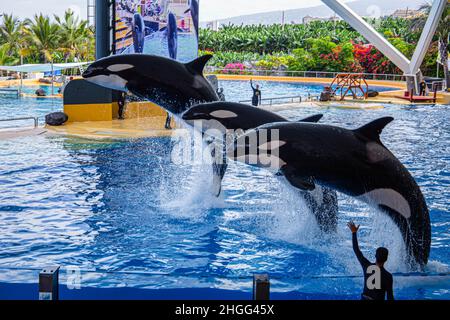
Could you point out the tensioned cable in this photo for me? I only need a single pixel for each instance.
(275, 277)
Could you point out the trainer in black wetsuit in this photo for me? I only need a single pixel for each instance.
(121, 103)
(256, 99)
(168, 121)
(423, 88)
(373, 289)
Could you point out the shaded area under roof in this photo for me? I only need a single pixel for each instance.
(45, 67)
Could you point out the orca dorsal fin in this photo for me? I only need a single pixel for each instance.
(313, 119)
(197, 65)
(373, 130)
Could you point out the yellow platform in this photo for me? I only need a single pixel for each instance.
(115, 129)
(141, 120)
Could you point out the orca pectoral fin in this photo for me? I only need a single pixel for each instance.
(219, 164)
(218, 174)
(298, 181)
(324, 205)
(313, 119)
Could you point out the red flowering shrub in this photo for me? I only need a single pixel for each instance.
(234, 68)
(372, 60)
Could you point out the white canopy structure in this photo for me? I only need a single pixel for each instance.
(411, 68)
(45, 67)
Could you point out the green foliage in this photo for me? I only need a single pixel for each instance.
(270, 39)
(40, 39)
(222, 58)
(319, 45)
(275, 62)
(5, 57)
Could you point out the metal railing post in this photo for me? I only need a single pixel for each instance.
(49, 283)
(261, 287)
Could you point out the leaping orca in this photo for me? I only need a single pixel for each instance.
(172, 35)
(354, 162)
(225, 116)
(138, 30)
(193, 8)
(170, 84)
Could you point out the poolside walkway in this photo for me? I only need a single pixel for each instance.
(387, 97)
(20, 133)
(380, 83)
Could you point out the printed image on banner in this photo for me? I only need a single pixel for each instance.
(166, 28)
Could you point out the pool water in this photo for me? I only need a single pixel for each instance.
(125, 208)
(11, 107)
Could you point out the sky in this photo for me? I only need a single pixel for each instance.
(219, 9)
(209, 9)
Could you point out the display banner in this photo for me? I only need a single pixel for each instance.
(166, 28)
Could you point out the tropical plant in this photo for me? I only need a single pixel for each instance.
(43, 34)
(73, 35)
(5, 57)
(11, 33)
(234, 68)
(441, 36)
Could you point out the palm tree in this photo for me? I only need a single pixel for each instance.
(44, 35)
(11, 33)
(73, 35)
(442, 32)
(5, 58)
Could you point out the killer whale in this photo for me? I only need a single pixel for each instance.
(234, 116)
(172, 35)
(225, 116)
(138, 31)
(193, 8)
(354, 162)
(170, 84)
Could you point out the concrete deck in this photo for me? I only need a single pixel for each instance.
(115, 129)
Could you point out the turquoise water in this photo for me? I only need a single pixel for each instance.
(126, 207)
(11, 107)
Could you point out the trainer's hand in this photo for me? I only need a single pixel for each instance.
(353, 228)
